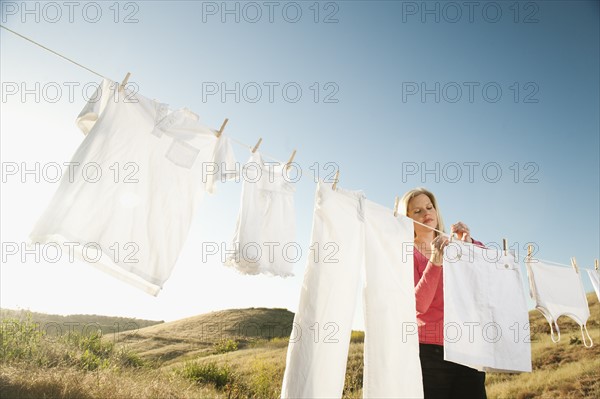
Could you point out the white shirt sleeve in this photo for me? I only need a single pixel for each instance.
(95, 106)
(224, 160)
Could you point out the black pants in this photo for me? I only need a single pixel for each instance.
(442, 379)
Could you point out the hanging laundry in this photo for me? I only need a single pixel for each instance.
(392, 368)
(349, 234)
(486, 323)
(558, 291)
(137, 176)
(595, 278)
(264, 239)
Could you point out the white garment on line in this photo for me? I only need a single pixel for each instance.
(486, 323)
(352, 233)
(137, 212)
(595, 278)
(558, 291)
(392, 368)
(264, 239)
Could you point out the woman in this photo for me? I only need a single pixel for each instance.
(441, 379)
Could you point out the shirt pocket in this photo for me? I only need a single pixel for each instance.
(182, 154)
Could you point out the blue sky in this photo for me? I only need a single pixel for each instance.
(532, 115)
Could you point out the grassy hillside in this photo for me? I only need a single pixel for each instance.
(563, 370)
(57, 324)
(201, 335)
(241, 354)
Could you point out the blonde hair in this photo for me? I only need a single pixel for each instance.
(407, 197)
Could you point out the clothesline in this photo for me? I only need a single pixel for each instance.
(54, 52)
(238, 142)
(518, 257)
(241, 144)
(104, 77)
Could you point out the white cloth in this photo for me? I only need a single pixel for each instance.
(392, 368)
(137, 212)
(486, 323)
(558, 291)
(264, 239)
(350, 233)
(595, 278)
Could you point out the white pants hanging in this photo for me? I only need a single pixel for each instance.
(351, 233)
(392, 365)
(486, 323)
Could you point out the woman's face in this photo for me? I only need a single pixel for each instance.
(421, 209)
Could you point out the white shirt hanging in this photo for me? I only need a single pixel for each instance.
(127, 208)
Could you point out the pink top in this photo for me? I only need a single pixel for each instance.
(429, 291)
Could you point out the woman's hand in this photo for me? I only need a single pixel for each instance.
(462, 231)
(437, 250)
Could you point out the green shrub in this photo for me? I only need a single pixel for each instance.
(207, 373)
(19, 339)
(90, 361)
(225, 345)
(23, 341)
(95, 344)
(127, 358)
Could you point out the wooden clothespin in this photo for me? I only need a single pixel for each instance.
(596, 264)
(335, 180)
(505, 245)
(287, 165)
(124, 82)
(529, 251)
(257, 145)
(574, 264)
(396, 203)
(220, 131)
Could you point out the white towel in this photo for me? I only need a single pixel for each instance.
(486, 323)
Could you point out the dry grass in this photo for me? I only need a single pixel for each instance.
(194, 337)
(574, 380)
(27, 382)
(560, 370)
(255, 369)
